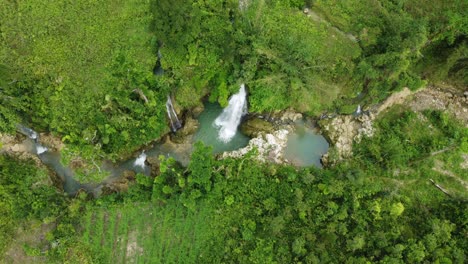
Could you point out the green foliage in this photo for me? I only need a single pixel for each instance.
(396, 36)
(79, 69)
(80, 63)
(197, 44)
(25, 195)
(293, 61)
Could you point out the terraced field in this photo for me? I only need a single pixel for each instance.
(147, 233)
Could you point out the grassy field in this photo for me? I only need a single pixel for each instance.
(147, 233)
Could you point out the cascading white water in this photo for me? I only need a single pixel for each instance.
(175, 123)
(34, 136)
(40, 149)
(140, 161)
(358, 110)
(28, 132)
(228, 121)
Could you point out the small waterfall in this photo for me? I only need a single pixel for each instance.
(358, 110)
(140, 161)
(230, 118)
(40, 149)
(175, 123)
(28, 132)
(34, 136)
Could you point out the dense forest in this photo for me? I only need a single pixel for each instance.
(96, 75)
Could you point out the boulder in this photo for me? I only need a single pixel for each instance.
(154, 164)
(289, 116)
(189, 128)
(256, 126)
(270, 147)
(197, 110)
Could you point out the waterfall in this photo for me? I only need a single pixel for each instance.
(175, 123)
(40, 149)
(34, 136)
(358, 110)
(140, 161)
(28, 132)
(230, 118)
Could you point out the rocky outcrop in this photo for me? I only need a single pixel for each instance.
(256, 126)
(287, 116)
(343, 130)
(189, 128)
(121, 184)
(154, 164)
(197, 110)
(19, 147)
(53, 143)
(451, 101)
(395, 98)
(270, 147)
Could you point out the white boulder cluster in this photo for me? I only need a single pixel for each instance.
(270, 147)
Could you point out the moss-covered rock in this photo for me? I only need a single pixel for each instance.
(255, 126)
(189, 128)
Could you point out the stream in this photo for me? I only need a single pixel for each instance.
(218, 128)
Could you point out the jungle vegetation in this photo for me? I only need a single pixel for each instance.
(71, 68)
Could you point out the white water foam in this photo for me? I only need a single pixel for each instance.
(175, 123)
(230, 118)
(140, 161)
(40, 149)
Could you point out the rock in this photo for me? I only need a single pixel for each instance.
(189, 128)
(154, 164)
(54, 144)
(290, 116)
(197, 110)
(270, 147)
(342, 131)
(129, 175)
(396, 98)
(18, 148)
(255, 126)
(118, 186)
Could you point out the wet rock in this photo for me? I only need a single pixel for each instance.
(197, 110)
(256, 126)
(189, 128)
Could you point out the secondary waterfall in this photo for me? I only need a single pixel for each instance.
(28, 132)
(140, 161)
(358, 110)
(175, 123)
(230, 118)
(40, 149)
(34, 136)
